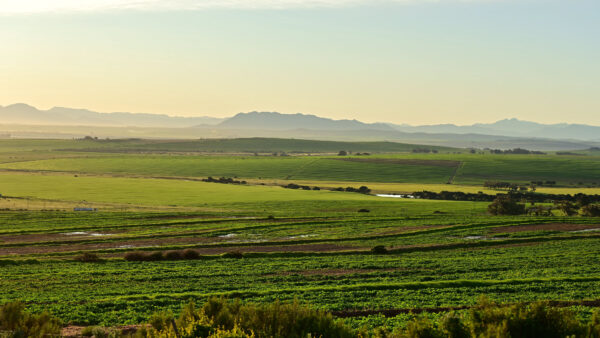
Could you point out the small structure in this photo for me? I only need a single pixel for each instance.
(85, 209)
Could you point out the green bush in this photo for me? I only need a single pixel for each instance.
(505, 205)
(88, 257)
(379, 250)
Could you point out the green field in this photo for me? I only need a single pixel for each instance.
(311, 245)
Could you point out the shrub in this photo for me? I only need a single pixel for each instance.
(379, 250)
(135, 256)
(523, 320)
(505, 205)
(233, 254)
(423, 328)
(364, 210)
(591, 210)
(222, 318)
(453, 327)
(190, 254)
(142, 256)
(155, 256)
(19, 323)
(88, 257)
(173, 255)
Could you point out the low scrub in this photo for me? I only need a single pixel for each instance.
(88, 257)
(379, 250)
(219, 317)
(172, 255)
(16, 322)
(489, 319)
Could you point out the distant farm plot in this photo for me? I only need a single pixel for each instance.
(154, 191)
(467, 169)
(303, 167)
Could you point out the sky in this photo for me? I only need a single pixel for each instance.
(399, 61)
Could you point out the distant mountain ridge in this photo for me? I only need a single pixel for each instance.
(277, 121)
(515, 128)
(21, 113)
(503, 134)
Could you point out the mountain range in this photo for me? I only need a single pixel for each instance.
(507, 133)
(21, 113)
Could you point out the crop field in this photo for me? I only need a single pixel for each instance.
(260, 242)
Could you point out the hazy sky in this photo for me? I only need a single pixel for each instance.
(402, 61)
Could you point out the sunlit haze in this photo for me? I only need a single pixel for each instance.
(403, 61)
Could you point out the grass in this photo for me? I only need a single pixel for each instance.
(311, 245)
(472, 169)
(155, 192)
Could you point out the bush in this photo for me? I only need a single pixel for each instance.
(135, 256)
(523, 320)
(173, 255)
(142, 256)
(88, 257)
(505, 205)
(364, 210)
(155, 256)
(19, 323)
(488, 319)
(379, 250)
(190, 254)
(591, 210)
(233, 254)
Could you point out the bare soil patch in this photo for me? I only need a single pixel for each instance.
(33, 238)
(325, 247)
(434, 163)
(544, 227)
(72, 331)
(124, 244)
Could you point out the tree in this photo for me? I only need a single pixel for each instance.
(591, 210)
(505, 205)
(342, 153)
(567, 208)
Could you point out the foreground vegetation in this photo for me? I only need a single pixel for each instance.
(219, 317)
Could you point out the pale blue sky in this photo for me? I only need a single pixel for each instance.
(417, 62)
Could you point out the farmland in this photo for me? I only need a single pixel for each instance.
(310, 245)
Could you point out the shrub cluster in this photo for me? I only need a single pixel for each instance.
(580, 199)
(88, 257)
(297, 186)
(160, 256)
(505, 205)
(219, 317)
(519, 151)
(224, 180)
(16, 322)
(489, 319)
(424, 150)
(362, 190)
